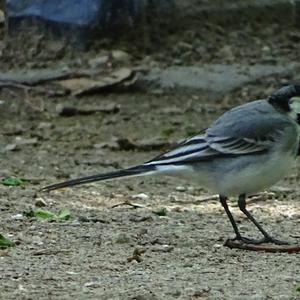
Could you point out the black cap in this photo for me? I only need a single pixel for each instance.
(282, 96)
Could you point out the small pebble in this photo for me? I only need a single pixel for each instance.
(45, 125)
(10, 147)
(162, 248)
(17, 217)
(180, 189)
(40, 202)
(92, 284)
(141, 196)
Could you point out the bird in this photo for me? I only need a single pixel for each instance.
(246, 150)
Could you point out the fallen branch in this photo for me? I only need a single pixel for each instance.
(235, 244)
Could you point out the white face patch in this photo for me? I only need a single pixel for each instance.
(294, 104)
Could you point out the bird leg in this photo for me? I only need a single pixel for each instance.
(267, 238)
(238, 237)
(223, 201)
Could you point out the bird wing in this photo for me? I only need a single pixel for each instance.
(235, 145)
(205, 147)
(250, 128)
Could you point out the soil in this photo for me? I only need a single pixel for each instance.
(169, 243)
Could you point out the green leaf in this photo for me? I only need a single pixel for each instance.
(64, 214)
(5, 243)
(42, 214)
(298, 289)
(12, 181)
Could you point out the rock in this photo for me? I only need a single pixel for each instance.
(162, 248)
(65, 111)
(98, 61)
(10, 147)
(180, 189)
(120, 56)
(22, 141)
(214, 78)
(140, 196)
(93, 284)
(17, 217)
(227, 53)
(40, 202)
(19, 141)
(184, 46)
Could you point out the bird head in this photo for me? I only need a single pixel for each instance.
(287, 99)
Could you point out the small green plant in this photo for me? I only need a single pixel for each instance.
(64, 214)
(13, 181)
(5, 243)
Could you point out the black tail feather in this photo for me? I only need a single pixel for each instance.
(134, 171)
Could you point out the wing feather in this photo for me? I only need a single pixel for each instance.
(233, 145)
(206, 147)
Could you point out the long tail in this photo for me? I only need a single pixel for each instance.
(130, 172)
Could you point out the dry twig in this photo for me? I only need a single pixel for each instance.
(235, 244)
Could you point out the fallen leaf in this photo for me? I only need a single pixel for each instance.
(82, 86)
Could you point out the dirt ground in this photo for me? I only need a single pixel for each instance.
(170, 245)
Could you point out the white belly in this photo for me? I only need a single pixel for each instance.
(254, 178)
(234, 177)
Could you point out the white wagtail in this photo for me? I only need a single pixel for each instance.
(247, 149)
